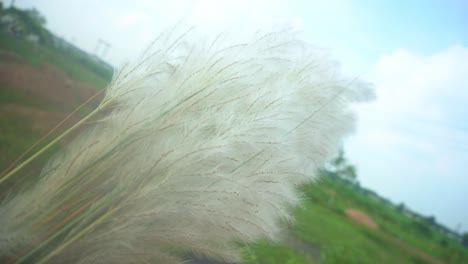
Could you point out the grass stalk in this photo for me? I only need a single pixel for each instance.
(53, 142)
(79, 235)
(50, 132)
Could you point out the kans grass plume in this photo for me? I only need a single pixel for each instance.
(197, 145)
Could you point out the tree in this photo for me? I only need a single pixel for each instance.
(33, 22)
(465, 239)
(344, 170)
(349, 172)
(401, 207)
(340, 160)
(431, 220)
(36, 16)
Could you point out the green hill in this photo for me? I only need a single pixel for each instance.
(323, 223)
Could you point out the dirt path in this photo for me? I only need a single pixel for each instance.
(361, 218)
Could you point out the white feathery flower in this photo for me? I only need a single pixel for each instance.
(199, 144)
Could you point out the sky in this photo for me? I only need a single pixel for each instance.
(411, 144)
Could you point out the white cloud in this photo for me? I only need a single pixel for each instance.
(422, 87)
(415, 137)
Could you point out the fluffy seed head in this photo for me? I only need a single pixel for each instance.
(200, 143)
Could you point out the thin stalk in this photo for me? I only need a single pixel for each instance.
(50, 132)
(53, 142)
(71, 222)
(34, 248)
(77, 236)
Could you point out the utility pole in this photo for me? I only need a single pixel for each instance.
(97, 48)
(107, 46)
(101, 49)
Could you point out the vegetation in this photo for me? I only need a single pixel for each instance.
(78, 64)
(322, 222)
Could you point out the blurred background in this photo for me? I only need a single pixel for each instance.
(398, 193)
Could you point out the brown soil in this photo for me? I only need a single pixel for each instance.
(53, 93)
(361, 218)
(46, 84)
(40, 120)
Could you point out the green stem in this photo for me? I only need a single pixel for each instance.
(77, 236)
(53, 142)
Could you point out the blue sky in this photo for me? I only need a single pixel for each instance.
(411, 144)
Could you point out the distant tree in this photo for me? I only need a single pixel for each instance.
(344, 170)
(349, 172)
(32, 22)
(431, 220)
(422, 227)
(465, 239)
(36, 16)
(443, 242)
(340, 160)
(401, 207)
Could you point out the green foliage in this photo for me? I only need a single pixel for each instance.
(341, 168)
(422, 228)
(268, 253)
(343, 241)
(401, 207)
(36, 17)
(30, 21)
(321, 221)
(465, 240)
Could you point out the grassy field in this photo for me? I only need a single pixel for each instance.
(322, 232)
(322, 223)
